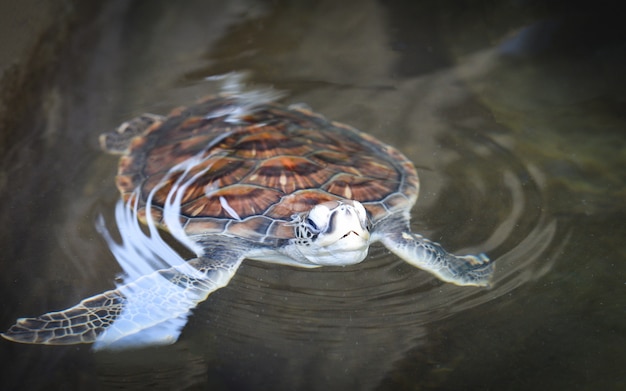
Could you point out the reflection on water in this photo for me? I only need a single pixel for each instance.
(504, 143)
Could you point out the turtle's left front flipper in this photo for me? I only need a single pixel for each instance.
(151, 310)
(476, 270)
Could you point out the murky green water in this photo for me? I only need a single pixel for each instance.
(514, 116)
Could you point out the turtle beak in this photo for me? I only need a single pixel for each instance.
(345, 238)
(359, 222)
(352, 227)
(361, 232)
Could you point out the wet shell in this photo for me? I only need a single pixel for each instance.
(240, 174)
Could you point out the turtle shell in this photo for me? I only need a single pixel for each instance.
(245, 169)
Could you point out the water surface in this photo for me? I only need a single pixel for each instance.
(513, 115)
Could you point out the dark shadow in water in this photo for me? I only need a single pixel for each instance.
(509, 140)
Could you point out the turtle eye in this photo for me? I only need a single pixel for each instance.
(317, 218)
(312, 224)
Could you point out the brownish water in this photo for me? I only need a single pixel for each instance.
(513, 114)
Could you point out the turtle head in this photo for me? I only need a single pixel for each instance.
(335, 233)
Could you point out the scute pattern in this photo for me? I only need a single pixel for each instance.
(82, 322)
(270, 162)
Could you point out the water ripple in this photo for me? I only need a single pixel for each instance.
(477, 196)
(500, 210)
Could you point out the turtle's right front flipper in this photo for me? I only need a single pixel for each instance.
(151, 310)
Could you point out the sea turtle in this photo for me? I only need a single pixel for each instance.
(236, 176)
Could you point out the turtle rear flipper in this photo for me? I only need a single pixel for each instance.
(149, 311)
(118, 141)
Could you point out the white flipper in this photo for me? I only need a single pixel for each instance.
(475, 270)
(149, 311)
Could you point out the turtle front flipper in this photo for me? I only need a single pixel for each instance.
(151, 310)
(475, 270)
